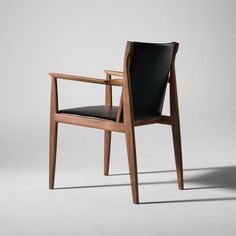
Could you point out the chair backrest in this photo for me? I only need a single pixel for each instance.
(148, 71)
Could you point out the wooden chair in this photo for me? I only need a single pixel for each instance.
(148, 68)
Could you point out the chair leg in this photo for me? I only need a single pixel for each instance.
(131, 150)
(52, 152)
(178, 153)
(107, 150)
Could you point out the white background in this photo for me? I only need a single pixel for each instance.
(84, 38)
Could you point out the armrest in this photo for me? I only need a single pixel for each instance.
(115, 82)
(77, 78)
(116, 73)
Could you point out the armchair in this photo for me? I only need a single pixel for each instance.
(148, 68)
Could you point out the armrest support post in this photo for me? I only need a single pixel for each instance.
(108, 93)
(54, 97)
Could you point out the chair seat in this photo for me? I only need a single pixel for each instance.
(103, 112)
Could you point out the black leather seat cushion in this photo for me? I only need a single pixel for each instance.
(103, 112)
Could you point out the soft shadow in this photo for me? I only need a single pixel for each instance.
(212, 177)
(169, 171)
(114, 185)
(193, 200)
(144, 172)
(216, 177)
(205, 187)
(207, 178)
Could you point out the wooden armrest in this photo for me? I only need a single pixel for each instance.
(116, 73)
(114, 82)
(77, 78)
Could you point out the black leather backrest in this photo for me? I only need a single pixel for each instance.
(149, 69)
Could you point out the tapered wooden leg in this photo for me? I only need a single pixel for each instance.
(178, 153)
(107, 150)
(52, 152)
(131, 150)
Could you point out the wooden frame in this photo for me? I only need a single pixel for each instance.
(126, 126)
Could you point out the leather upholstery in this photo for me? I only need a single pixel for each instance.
(103, 112)
(149, 69)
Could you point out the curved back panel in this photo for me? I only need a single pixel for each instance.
(148, 73)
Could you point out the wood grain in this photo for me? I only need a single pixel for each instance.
(115, 82)
(107, 134)
(129, 126)
(90, 122)
(53, 133)
(174, 110)
(113, 72)
(166, 120)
